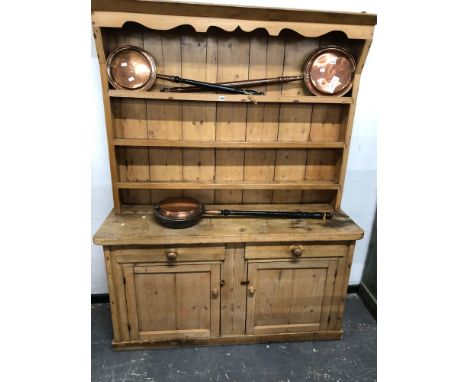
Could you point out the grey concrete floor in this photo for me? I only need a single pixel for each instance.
(354, 358)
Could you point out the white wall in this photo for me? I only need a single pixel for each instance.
(360, 191)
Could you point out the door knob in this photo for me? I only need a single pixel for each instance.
(251, 290)
(215, 293)
(296, 250)
(171, 254)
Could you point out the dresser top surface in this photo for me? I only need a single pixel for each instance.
(137, 226)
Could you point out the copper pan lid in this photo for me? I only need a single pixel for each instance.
(329, 71)
(179, 208)
(131, 68)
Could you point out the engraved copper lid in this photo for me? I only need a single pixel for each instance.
(131, 68)
(329, 71)
(179, 208)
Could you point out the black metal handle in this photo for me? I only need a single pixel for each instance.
(279, 214)
(222, 88)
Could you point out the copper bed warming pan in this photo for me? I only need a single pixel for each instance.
(328, 71)
(186, 212)
(133, 68)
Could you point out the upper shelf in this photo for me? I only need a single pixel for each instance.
(209, 97)
(165, 16)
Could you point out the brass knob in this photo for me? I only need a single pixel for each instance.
(251, 291)
(171, 254)
(296, 250)
(215, 293)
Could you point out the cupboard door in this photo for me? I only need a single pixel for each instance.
(172, 302)
(289, 296)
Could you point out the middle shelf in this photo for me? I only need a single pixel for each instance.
(226, 144)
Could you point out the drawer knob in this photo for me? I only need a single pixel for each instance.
(215, 293)
(296, 250)
(251, 290)
(171, 254)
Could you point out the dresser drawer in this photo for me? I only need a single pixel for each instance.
(168, 253)
(295, 250)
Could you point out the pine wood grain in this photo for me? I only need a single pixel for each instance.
(130, 228)
(234, 98)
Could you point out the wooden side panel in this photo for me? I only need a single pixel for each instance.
(120, 300)
(350, 119)
(102, 44)
(337, 288)
(112, 295)
(344, 286)
(131, 297)
(233, 64)
(233, 294)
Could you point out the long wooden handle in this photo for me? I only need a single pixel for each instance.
(236, 84)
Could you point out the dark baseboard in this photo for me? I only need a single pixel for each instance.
(103, 298)
(368, 299)
(353, 289)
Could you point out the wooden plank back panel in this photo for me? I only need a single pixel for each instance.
(131, 122)
(294, 120)
(226, 56)
(328, 123)
(198, 118)
(233, 64)
(266, 60)
(166, 117)
(322, 165)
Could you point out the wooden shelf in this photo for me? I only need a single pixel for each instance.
(130, 228)
(239, 185)
(208, 97)
(146, 209)
(227, 144)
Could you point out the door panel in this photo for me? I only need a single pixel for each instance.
(170, 302)
(287, 296)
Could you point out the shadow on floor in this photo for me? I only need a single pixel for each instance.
(354, 358)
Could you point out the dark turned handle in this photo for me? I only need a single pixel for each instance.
(279, 214)
(237, 84)
(208, 85)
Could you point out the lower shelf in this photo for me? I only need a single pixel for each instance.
(231, 340)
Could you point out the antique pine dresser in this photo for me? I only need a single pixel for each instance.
(227, 280)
